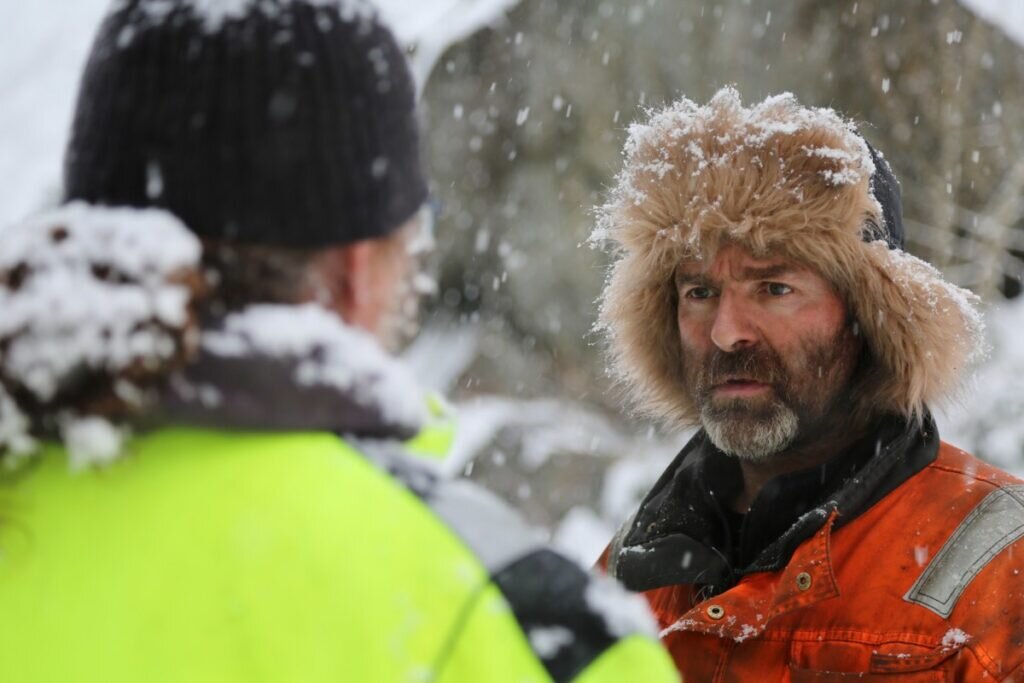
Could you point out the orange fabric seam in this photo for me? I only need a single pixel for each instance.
(964, 473)
(854, 636)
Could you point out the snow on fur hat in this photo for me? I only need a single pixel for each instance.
(782, 179)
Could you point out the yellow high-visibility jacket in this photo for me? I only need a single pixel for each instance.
(213, 555)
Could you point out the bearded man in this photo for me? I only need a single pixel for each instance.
(815, 528)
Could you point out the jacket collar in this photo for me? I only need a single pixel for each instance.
(293, 368)
(679, 535)
(746, 611)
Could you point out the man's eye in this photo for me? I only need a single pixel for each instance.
(778, 289)
(698, 293)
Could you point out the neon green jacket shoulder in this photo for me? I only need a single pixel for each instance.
(239, 556)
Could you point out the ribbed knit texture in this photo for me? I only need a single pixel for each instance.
(293, 125)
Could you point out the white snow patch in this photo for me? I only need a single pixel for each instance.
(582, 535)
(550, 427)
(441, 353)
(747, 631)
(683, 624)
(328, 353)
(95, 292)
(91, 441)
(40, 67)
(641, 550)
(15, 439)
(548, 640)
(954, 637)
(660, 168)
(624, 613)
(429, 28)
(154, 180)
(1006, 16)
(851, 170)
(628, 481)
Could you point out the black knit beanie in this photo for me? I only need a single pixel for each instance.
(277, 122)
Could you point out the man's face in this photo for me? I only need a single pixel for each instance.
(768, 353)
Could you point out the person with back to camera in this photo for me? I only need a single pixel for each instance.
(212, 469)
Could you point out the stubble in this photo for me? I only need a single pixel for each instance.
(804, 394)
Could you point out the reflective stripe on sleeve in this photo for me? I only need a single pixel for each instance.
(995, 523)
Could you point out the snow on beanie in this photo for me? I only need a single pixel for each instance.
(278, 122)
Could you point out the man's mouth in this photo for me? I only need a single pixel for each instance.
(737, 387)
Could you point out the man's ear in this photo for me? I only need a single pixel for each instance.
(341, 281)
(354, 295)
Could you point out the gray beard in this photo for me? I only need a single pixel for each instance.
(747, 434)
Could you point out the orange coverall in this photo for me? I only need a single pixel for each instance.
(924, 585)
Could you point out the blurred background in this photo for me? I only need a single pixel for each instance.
(526, 105)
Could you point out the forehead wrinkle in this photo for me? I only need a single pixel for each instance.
(685, 274)
(765, 272)
(687, 277)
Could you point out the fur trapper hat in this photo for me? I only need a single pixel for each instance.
(782, 179)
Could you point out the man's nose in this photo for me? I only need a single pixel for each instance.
(733, 328)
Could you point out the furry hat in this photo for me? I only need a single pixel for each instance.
(782, 179)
